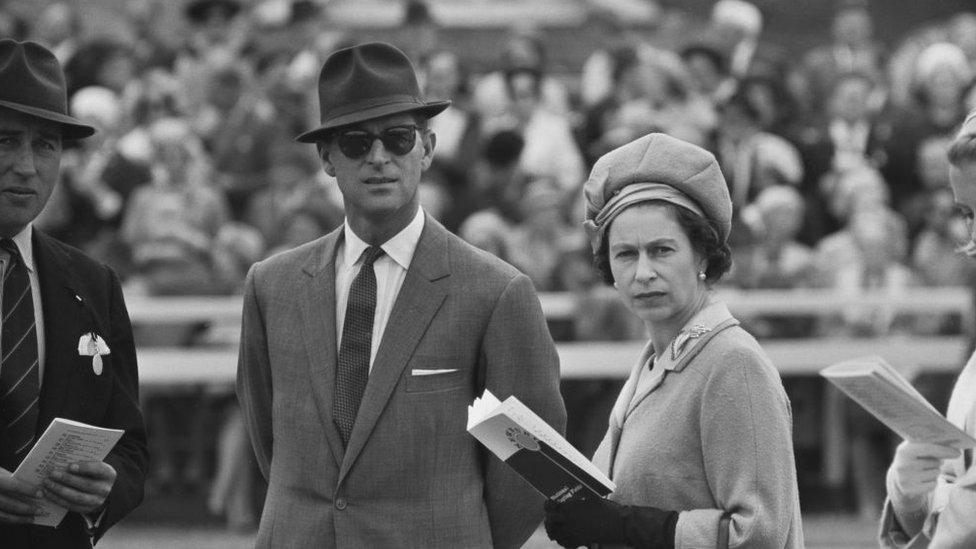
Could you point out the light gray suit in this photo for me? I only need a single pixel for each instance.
(411, 476)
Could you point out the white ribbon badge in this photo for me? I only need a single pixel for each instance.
(94, 346)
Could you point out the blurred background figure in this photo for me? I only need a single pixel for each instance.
(170, 224)
(852, 49)
(523, 51)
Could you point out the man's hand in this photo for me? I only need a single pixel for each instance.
(915, 467)
(82, 487)
(19, 503)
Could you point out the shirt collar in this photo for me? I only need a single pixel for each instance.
(696, 331)
(23, 241)
(400, 248)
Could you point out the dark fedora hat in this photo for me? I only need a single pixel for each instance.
(365, 82)
(31, 82)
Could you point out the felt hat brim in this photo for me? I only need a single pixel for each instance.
(71, 128)
(427, 110)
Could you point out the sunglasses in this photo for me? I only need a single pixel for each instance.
(399, 140)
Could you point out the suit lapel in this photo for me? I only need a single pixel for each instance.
(65, 318)
(317, 297)
(420, 297)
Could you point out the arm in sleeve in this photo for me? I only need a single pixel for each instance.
(955, 526)
(747, 450)
(903, 518)
(519, 358)
(254, 390)
(130, 456)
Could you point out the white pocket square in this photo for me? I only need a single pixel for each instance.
(434, 372)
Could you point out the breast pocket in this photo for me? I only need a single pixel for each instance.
(435, 375)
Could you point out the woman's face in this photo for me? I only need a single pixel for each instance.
(654, 266)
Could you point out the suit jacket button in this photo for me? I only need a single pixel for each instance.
(340, 504)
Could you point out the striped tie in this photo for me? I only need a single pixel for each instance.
(19, 373)
(356, 346)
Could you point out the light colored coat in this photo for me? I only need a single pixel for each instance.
(411, 476)
(708, 431)
(948, 518)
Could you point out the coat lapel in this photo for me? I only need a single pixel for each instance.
(689, 342)
(65, 320)
(420, 297)
(620, 409)
(317, 297)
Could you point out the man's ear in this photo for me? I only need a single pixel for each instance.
(327, 164)
(429, 141)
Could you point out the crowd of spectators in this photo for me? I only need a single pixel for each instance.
(828, 154)
(835, 158)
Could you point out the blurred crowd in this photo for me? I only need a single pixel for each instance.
(835, 157)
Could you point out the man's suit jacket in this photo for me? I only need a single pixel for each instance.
(79, 296)
(411, 476)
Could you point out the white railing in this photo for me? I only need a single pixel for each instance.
(590, 359)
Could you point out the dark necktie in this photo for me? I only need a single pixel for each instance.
(357, 340)
(19, 373)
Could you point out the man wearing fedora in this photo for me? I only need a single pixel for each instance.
(54, 298)
(361, 351)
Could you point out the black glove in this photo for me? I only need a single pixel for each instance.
(598, 520)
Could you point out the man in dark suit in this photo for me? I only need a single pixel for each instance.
(54, 296)
(360, 351)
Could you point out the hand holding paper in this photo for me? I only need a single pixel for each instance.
(18, 500)
(64, 444)
(915, 467)
(82, 487)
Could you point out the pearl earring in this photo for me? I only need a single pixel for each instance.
(701, 275)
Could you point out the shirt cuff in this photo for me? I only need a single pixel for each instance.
(93, 521)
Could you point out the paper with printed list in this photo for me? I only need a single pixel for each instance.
(881, 390)
(64, 442)
(536, 451)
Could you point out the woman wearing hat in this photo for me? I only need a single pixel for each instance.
(699, 443)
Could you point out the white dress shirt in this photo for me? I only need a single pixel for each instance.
(390, 268)
(23, 242)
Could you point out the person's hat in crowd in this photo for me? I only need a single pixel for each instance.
(711, 49)
(942, 55)
(199, 11)
(32, 82)
(97, 104)
(738, 14)
(365, 82)
(655, 167)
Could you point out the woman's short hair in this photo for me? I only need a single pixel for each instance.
(702, 233)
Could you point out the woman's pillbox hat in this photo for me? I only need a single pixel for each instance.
(655, 167)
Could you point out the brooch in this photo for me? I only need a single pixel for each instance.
(93, 345)
(695, 332)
